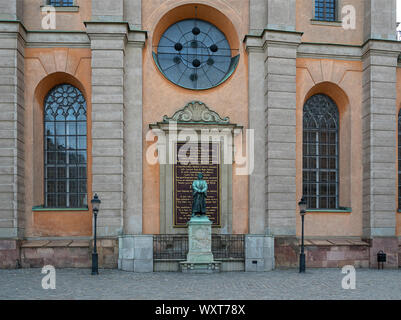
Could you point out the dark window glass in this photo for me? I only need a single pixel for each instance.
(60, 3)
(325, 10)
(65, 148)
(320, 153)
(195, 54)
(399, 160)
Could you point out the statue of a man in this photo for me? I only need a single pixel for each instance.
(199, 193)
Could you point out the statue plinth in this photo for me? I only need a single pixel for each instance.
(200, 256)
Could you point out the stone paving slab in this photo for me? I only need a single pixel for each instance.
(315, 284)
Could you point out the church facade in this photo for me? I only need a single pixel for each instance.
(286, 100)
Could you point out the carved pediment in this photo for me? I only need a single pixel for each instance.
(196, 112)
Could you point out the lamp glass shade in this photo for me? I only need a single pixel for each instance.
(302, 206)
(95, 203)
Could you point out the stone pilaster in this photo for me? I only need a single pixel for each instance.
(272, 107)
(12, 36)
(280, 119)
(108, 43)
(11, 10)
(379, 128)
(257, 203)
(257, 16)
(281, 14)
(380, 19)
(110, 11)
(133, 133)
(133, 13)
(379, 143)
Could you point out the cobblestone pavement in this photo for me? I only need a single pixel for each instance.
(279, 284)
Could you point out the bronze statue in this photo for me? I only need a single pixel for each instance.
(199, 193)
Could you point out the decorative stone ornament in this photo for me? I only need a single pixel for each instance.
(196, 112)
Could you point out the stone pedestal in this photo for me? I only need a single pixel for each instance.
(135, 253)
(259, 253)
(200, 256)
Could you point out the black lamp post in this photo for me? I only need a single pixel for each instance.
(302, 211)
(95, 208)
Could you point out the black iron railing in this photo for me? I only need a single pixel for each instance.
(175, 247)
(170, 247)
(228, 246)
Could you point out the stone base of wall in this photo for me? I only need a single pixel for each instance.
(135, 253)
(390, 246)
(58, 253)
(399, 252)
(259, 253)
(174, 265)
(9, 254)
(322, 253)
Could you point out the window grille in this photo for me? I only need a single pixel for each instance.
(65, 148)
(325, 10)
(320, 153)
(60, 3)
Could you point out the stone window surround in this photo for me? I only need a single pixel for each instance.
(166, 186)
(73, 8)
(345, 162)
(166, 170)
(38, 204)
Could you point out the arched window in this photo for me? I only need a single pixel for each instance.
(320, 153)
(399, 160)
(65, 148)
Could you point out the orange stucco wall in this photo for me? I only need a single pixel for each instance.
(342, 81)
(329, 33)
(44, 69)
(71, 21)
(161, 97)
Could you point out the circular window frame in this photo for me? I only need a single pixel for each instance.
(234, 60)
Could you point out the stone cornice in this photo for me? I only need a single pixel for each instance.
(259, 42)
(72, 39)
(329, 51)
(12, 27)
(53, 39)
(111, 29)
(254, 42)
(381, 47)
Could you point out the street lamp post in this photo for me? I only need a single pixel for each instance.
(95, 208)
(302, 211)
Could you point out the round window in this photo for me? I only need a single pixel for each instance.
(194, 54)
